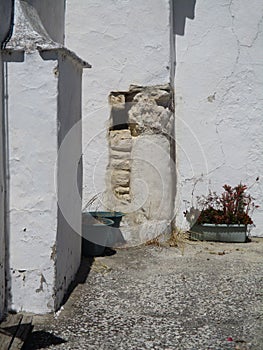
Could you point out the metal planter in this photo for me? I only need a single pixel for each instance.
(95, 235)
(219, 233)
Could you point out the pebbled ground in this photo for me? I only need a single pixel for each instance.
(206, 296)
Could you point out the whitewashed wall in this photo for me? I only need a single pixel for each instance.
(33, 203)
(219, 101)
(45, 189)
(127, 42)
(218, 85)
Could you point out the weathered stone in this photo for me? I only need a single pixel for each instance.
(157, 95)
(125, 197)
(117, 101)
(147, 116)
(139, 180)
(120, 164)
(122, 190)
(120, 178)
(120, 154)
(121, 140)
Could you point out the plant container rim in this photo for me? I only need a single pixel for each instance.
(102, 213)
(220, 232)
(222, 225)
(96, 222)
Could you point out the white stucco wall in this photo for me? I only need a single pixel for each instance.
(127, 42)
(45, 185)
(49, 245)
(2, 203)
(219, 101)
(33, 203)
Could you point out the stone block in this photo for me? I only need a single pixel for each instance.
(117, 101)
(120, 164)
(120, 155)
(122, 190)
(121, 140)
(120, 178)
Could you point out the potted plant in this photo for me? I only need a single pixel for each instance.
(222, 217)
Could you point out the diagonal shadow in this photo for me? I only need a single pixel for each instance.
(81, 276)
(12, 331)
(41, 340)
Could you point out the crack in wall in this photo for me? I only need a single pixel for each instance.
(233, 72)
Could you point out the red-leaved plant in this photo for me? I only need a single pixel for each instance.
(231, 207)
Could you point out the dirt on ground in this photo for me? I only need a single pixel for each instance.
(196, 295)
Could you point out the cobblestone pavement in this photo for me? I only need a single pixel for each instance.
(203, 296)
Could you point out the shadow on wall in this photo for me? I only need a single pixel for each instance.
(182, 9)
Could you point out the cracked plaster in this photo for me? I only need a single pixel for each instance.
(127, 42)
(218, 87)
(224, 63)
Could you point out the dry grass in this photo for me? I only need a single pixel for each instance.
(178, 239)
(155, 241)
(99, 267)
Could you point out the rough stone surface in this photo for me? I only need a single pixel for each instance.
(148, 185)
(120, 140)
(120, 178)
(117, 101)
(120, 164)
(120, 155)
(200, 296)
(145, 192)
(29, 32)
(118, 174)
(147, 115)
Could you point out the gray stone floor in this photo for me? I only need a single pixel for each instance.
(202, 296)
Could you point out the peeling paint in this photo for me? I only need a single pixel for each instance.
(211, 98)
(42, 281)
(48, 245)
